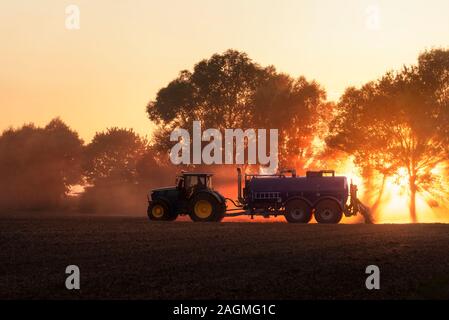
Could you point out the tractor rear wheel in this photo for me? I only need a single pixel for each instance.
(328, 211)
(204, 207)
(298, 211)
(160, 211)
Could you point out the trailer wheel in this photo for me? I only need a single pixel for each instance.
(298, 211)
(328, 211)
(204, 207)
(160, 211)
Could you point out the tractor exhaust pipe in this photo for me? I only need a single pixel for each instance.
(239, 185)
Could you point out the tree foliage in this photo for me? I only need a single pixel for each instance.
(113, 155)
(229, 90)
(38, 165)
(293, 106)
(398, 121)
(119, 166)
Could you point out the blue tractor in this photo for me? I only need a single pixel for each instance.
(321, 194)
(192, 195)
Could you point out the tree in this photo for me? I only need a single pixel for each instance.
(293, 106)
(113, 156)
(153, 170)
(218, 93)
(120, 167)
(399, 122)
(39, 165)
(231, 91)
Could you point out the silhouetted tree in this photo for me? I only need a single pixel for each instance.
(229, 90)
(218, 92)
(399, 121)
(38, 165)
(294, 107)
(113, 155)
(119, 167)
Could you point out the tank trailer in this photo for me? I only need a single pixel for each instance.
(321, 194)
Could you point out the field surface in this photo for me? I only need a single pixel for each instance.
(131, 258)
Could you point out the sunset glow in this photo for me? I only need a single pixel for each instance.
(103, 74)
(394, 204)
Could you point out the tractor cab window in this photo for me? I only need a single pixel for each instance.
(188, 182)
(180, 182)
(202, 181)
(197, 182)
(191, 181)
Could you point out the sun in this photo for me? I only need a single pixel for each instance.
(395, 200)
(397, 184)
(394, 206)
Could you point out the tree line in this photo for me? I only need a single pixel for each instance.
(39, 166)
(397, 122)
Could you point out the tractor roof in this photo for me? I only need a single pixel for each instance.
(197, 174)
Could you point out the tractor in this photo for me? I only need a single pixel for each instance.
(192, 195)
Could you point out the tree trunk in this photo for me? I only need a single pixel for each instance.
(368, 182)
(379, 196)
(412, 204)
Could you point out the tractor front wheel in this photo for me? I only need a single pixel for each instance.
(328, 211)
(204, 207)
(160, 211)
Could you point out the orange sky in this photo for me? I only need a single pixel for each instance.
(104, 73)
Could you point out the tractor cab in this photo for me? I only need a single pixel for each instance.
(190, 183)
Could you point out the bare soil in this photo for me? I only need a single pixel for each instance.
(132, 258)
